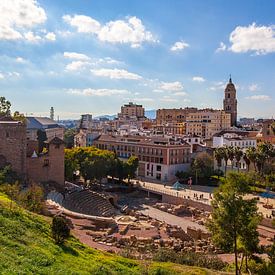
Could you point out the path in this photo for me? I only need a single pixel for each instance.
(169, 218)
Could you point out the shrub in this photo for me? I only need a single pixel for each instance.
(189, 258)
(60, 230)
(32, 198)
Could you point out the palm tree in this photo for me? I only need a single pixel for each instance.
(231, 155)
(247, 161)
(218, 154)
(251, 154)
(238, 156)
(225, 157)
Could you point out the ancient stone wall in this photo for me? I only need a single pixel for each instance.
(48, 167)
(188, 202)
(13, 145)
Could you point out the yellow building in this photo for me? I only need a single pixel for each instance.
(131, 110)
(173, 115)
(205, 123)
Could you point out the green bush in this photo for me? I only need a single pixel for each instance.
(189, 258)
(60, 229)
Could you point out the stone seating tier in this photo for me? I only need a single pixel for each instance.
(89, 203)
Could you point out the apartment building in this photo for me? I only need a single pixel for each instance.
(177, 128)
(173, 115)
(205, 123)
(131, 110)
(240, 139)
(159, 158)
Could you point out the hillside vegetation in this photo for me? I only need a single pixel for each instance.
(26, 247)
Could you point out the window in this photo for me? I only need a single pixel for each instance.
(7, 134)
(158, 167)
(228, 95)
(46, 162)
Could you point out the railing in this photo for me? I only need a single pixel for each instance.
(174, 193)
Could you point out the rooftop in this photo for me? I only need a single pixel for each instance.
(41, 123)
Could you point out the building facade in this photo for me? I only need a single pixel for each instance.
(173, 115)
(86, 122)
(131, 110)
(230, 102)
(205, 123)
(48, 166)
(159, 158)
(13, 145)
(44, 124)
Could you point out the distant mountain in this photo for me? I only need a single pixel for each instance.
(110, 117)
(150, 114)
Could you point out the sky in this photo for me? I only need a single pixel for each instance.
(92, 56)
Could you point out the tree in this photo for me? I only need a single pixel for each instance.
(231, 155)
(132, 164)
(12, 190)
(247, 161)
(5, 106)
(252, 155)
(7, 175)
(202, 166)
(234, 219)
(218, 154)
(33, 198)
(41, 137)
(71, 165)
(69, 137)
(224, 153)
(19, 117)
(238, 156)
(60, 229)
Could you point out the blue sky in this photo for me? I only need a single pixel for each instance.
(93, 56)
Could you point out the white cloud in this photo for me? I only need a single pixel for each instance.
(77, 56)
(97, 92)
(198, 79)
(143, 99)
(168, 99)
(77, 65)
(2, 76)
(83, 23)
(221, 48)
(130, 31)
(254, 88)
(17, 16)
(15, 74)
(171, 86)
(259, 97)
(179, 45)
(253, 38)
(116, 74)
(158, 91)
(180, 94)
(31, 37)
(50, 36)
(20, 60)
(218, 86)
(107, 60)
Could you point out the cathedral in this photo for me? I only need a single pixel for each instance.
(230, 102)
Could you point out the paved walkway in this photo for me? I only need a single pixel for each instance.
(186, 193)
(169, 218)
(205, 191)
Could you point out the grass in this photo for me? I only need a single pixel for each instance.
(26, 247)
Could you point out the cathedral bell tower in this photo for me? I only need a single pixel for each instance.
(230, 102)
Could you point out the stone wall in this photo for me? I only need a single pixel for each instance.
(48, 167)
(13, 145)
(188, 202)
